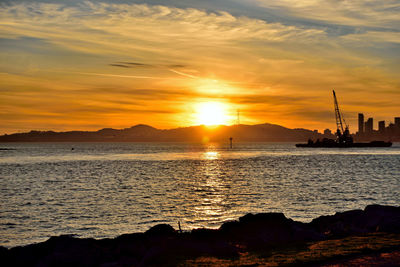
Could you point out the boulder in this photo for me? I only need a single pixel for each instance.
(267, 229)
(161, 230)
(372, 219)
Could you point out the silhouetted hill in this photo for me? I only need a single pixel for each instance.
(144, 133)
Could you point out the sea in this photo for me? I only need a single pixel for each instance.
(102, 190)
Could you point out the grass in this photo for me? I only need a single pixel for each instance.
(370, 248)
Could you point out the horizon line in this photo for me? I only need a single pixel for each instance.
(142, 124)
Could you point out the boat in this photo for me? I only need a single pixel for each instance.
(343, 137)
(333, 143)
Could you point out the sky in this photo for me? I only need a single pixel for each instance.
(87, 65)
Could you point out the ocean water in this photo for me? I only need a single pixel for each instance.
(106, 189)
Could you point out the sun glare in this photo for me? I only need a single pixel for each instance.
(212, 113)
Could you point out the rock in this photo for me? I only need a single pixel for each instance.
(204, 234)
(373, 218)
(161, 230)
(161, 243)
(268, 229)
(383, 218)
(340, 224)
(62, 250)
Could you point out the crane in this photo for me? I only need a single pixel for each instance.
(342, 133)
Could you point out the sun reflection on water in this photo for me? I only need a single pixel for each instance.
(212, 191)
(211, 155)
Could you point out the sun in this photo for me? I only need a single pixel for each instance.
(212, 113)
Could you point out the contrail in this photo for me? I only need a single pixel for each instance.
(183, 74)
(116, 75)
(107, 74)
(127, 76)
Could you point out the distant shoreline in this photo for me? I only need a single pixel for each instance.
(144, 133)
(369, 235)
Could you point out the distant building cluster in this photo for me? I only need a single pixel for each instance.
(366, 129)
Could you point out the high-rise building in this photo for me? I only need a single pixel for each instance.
(360, 123)
(369, 126)
(381, 125)
(327, 132)
(397, 126)
(391, 129)
(397, 122)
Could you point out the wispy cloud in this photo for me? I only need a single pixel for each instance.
(171, 68)
(183, 74)
(107, 75)
(126, 22)
(135, 64)
(120, 65)
(364, 13)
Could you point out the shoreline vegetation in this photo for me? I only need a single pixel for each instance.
(351, 238)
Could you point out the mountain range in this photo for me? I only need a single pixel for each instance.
(144, 133)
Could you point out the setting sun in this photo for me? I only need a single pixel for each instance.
(212, 113)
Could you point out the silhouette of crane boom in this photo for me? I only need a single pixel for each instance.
(339, 124)
(342, 133)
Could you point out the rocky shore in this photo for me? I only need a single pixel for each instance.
(270, 239)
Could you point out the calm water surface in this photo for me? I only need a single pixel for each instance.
(107, 189)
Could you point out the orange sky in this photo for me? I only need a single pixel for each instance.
(74, 65)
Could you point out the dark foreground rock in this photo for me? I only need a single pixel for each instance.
(374, 218)
(163, 245)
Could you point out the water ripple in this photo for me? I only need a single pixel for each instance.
(104, 190)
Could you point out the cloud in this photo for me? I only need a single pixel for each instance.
(371, 38)
(171, 67)
(120, 65)
(134, 64)
(183, 74)
(110, 75)
(176, 66)
(364, 13)
(137, 21)
(129, 65)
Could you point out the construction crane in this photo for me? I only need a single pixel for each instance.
(342, 133)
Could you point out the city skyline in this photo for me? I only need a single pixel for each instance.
(362, 123)
(367, 130)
